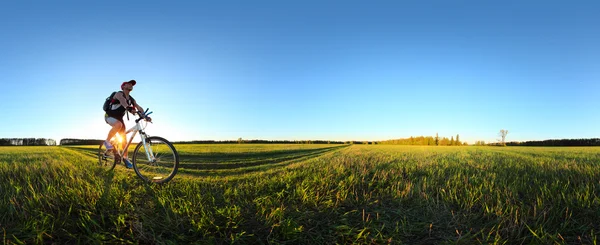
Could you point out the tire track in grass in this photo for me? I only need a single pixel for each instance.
(241, 161)
(258, 168)
(233, 166)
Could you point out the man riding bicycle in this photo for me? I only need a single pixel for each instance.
(121, 103)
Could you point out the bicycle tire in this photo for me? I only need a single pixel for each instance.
(106, 158)
(164, 164)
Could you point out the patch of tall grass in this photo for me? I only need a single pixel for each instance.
(307, 194)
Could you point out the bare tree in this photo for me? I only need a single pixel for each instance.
(503, 133)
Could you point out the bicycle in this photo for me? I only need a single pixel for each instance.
(155, 159)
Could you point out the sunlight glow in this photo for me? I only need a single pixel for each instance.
(119, 137)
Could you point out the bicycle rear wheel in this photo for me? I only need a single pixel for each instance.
(157, 161)
(106, 158)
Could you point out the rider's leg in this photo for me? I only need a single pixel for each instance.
(117, 126)
(124, 143)
(123, 140)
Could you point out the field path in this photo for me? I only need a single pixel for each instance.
(219, 162)
(224, 165)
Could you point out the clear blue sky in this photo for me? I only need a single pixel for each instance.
(338, 70)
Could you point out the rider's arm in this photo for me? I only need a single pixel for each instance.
(122, 100)
(141, 110)
(138, 107)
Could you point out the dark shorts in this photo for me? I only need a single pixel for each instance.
(111, 120)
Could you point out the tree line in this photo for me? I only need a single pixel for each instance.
(26, 141)
(420, 140)
(68, 141)
(558, 142)
(259, 141)
(425, 140)
(238, 141)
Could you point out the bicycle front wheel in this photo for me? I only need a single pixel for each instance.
(156, 161)
(106, 158)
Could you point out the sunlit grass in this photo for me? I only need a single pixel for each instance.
(309, 194)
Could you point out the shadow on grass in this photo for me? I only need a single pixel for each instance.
(88, 149)
(246, 159)
(221, 170)
(235, 163)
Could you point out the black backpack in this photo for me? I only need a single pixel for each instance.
(109, 101)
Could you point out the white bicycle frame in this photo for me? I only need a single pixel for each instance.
(135, 129)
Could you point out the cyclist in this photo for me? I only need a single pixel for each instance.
(121, 103)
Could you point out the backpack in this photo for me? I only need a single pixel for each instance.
(109, 101)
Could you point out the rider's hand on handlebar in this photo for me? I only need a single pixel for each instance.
(143, 115)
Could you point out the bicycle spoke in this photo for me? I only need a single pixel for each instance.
(163, 162)
(106, 159)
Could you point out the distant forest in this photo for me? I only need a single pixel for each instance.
(558, 142)
(239, 141)
(257, 141)
(425, 140)
(80, 142)
(420, 140)
(26, 141)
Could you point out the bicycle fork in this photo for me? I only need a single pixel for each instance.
(149, 153)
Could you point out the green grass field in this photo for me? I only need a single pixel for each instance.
(307, 194)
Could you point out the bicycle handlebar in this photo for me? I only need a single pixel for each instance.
(143, 115)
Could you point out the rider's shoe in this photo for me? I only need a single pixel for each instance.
(127, 163)
(108, 145)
